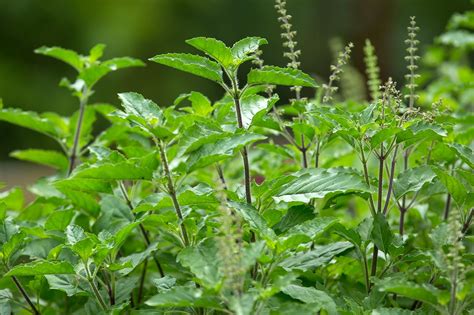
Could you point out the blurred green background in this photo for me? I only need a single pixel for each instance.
(143, 28)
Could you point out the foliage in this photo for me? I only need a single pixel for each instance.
(248, 205)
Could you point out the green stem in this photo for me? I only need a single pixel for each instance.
(142, 282)
(94, 288)
(172, 191)
(244, 152)
(77, 132)
(34, 310)
(142, 228)
(366, 271)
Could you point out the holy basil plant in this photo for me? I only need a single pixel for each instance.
(330, 202)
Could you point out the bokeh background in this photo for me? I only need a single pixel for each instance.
(143, 28)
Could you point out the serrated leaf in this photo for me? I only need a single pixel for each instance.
(51, 158)
(91, 185)
(59, 220)
(280, 76)
(383, 135)
(294, 216)
(454, 186)
(245, 47)
(253, 106)
(254, 219)
(194, 64)
(424, 293)
(66, 55)
(41, 268)
(128, 170)
(214, 48)
(304, 232)
(202, 260)
(381, 234)
(65, 283)
(319, 183)
(210, 153)
(140, 110)
(319, 256)
(133, 260)
(311, 295)
(183, 297)
(92, 74)
(465, 153)
(412, 180)
(30, 120)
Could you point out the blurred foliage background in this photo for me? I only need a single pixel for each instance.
(143, 28)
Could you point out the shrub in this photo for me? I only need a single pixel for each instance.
(247, 205)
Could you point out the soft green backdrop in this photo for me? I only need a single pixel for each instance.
(143, 28)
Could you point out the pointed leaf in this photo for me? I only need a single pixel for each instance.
(280, 76)
(41, 267)
(246, 47)
(194, 64)
(66, 55)
(212, 152)
(319, 183)
(311, 295)
(412, 180)
(51, 158)
(202, 260)
(213, 48)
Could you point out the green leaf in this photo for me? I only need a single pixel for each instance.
(13, 244)
(183, 297)
(165, 283)
(59, 220)
(96, 52)
(140, 110)
(202, 260)
(381, 234)
(245, 47)
(280, 76)
(254, 219)
(80, 243)
(133, 260)
(425, 293)
(30, 120)
(458, 38)
(412, 180)
(320, 183)
(13, 199)
(65, 283)
(194, 64)
(349, 234)
(91, 185)
(311, 295)
(51, 158)
(254, 106)
(383, 135)
(121, 63)
(465, 153)
(210, 153)
(304, 232)
(454, 186)
(41, 267)
(421, 131)
(319, 256)
(66, 55)
(201, 104)
(294, 216)
(214, 48)
(128, 170)
(92, 74)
